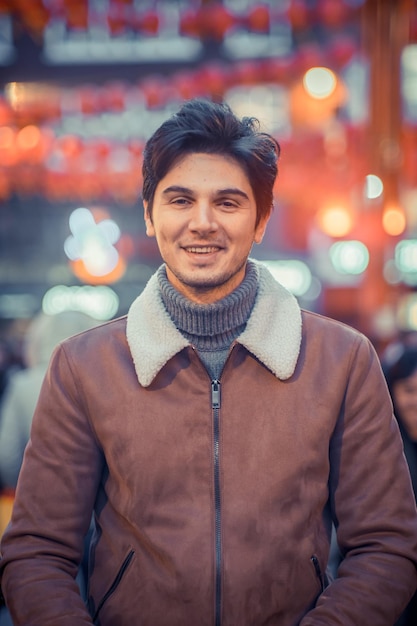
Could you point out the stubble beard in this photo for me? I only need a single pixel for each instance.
(206, 284)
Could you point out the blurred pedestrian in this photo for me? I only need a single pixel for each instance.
(23, 386)
(399, 362)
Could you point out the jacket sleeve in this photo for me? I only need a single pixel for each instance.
(373, 506)
(42, 547)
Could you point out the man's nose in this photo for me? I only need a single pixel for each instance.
(203, 218)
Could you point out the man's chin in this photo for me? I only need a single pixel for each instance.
(204, 282)
(204, 279)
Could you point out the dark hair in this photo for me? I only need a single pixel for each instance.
(209, 127)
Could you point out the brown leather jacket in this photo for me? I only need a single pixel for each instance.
(213, 501)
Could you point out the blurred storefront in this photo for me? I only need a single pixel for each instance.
(83, 83)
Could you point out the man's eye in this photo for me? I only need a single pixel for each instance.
(180, 201)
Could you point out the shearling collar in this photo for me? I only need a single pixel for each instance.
(272, 333)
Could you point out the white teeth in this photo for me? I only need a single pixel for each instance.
(203, 250)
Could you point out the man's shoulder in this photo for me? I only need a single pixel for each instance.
(103, 332)
(317, 322)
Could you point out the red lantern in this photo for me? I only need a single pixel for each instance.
(184, 84)
(342, 50)
(332, 12)
(308, 56)
(277, 70)
(117, 19)
(189, 24)
(70, 146)
(147, 23)
(298, 14)
(76, 12)
(214, 21)
(135, 147)
(35, 16)
(101, 148)
(89, 99)
(154, 91)
(113, 96)
(259, 19)
(212, 79)
(246, 73)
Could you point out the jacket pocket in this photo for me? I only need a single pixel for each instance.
(318, 572)
(110, 591)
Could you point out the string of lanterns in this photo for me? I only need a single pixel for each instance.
(210, 20)
(28, 104)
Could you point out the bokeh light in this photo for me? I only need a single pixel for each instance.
(335, 221)
(100, 302)
(349, 257)
(91, 245)
(293, 274)
(374, 186)
(393, 221)
(319, 82)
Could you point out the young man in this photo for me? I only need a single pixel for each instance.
(215, 433)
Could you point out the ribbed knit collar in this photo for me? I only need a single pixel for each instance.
(216, 324)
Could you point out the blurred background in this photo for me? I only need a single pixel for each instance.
(83, 84)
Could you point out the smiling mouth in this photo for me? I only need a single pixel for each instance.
(202, 249)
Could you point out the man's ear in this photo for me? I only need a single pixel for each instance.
(150, 230)
(261, 227)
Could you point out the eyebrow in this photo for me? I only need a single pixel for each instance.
(176, 189)
(232, 191)
(229, 191)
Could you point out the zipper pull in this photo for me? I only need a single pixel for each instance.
(319, 573)
(215, 394)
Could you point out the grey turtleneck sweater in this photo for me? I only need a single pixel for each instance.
(211, 328)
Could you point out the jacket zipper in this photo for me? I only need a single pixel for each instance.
(115, 583)
(215, 403)
(318, 571)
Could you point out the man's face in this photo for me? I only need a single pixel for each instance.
(203, 218)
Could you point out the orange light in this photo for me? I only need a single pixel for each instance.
(335, 221)
(28, 137)
(7, 137)
(70, 146)
(8, 153)
(393, 221)
(84, 275)
(307, 111)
